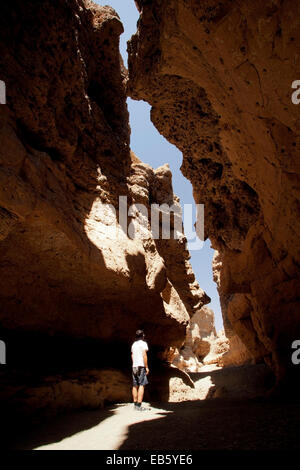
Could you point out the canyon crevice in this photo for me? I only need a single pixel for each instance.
(218, 76)
(74, 287)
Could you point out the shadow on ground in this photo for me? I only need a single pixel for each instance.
(219, 424)
(55, 429)
(246, 381)
(253, 424)
(236, 420)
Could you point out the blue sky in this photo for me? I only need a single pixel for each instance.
(155, 150)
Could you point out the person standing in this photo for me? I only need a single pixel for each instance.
(140, 369)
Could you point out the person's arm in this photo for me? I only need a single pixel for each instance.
(145, 360)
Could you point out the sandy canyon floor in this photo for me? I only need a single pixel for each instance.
(241, 418)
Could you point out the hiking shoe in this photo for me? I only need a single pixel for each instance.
(141, 408)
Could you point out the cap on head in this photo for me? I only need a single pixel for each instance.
(139, 334)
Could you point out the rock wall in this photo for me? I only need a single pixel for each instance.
(74, 286)
(200, 334)
(204, 346)
(81, 389)
(218, 76)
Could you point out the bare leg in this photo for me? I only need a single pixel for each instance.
(135, 394)
(140, 394)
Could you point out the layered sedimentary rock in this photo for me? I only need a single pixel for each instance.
(74, 286)
(218, 76)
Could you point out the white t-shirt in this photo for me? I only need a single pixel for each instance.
(137, 350)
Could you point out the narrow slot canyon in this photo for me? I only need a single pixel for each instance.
(88, 191)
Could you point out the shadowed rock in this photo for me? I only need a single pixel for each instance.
(218, 77)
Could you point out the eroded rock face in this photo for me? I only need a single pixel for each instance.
(218, 76)
(204, 346)
(74, 286)
(80, 389)
(248, 381)
(200, 335)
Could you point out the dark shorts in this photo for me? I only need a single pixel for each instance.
(139, 376)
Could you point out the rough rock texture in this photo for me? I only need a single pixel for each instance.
(237, 352)
(65, 156)
(203, 346)
(74, 286)
(200, 334)
(246, 381)
(53, 394)
(218, 348)
(218, 76)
